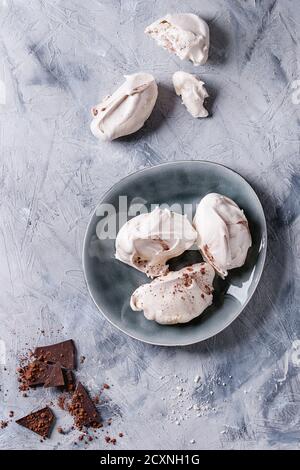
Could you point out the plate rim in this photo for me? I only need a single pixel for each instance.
(146, 169)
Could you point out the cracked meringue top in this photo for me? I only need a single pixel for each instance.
(192, 92)
(177, 297)
(148, 241)
(223, 233)
(127, 109)
(185, 34)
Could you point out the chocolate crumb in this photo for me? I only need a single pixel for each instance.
(96, 400)
(61, 401)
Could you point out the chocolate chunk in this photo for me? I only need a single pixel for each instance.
(69, 380)
(64, 353)
(55, 377)
(35, 373)
(40, 421)
(83, 409)
(39, 373)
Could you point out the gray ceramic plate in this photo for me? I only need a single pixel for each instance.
(111, 282)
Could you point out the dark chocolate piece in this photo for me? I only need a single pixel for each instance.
(83, 409)
(40, 421)
(64, 353)
(69, 380)
(35, 373)
(39, 373)
(55, 377)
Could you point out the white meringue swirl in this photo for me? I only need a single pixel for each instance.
(127, 109)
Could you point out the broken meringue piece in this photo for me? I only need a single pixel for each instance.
(148, 241)
(177, 297)
(223, 233)
(127, 109)
(192, 92)
(185, 34)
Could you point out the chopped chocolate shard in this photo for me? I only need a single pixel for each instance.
(40, 373)
(64, 353)
(69, 380)
(55, 377)
(35, 373)
(83, 409)
(40, 421)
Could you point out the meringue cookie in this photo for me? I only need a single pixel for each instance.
(185, 34)
(223, 233)
(127, 109)
(177, 297)
(148, 241)
(192, 92)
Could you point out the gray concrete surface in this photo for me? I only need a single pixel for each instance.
(56, 59)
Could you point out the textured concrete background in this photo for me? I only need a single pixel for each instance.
(56, 59)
